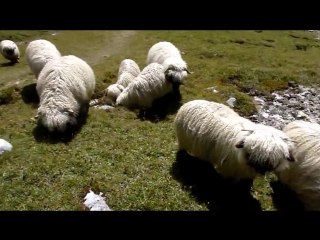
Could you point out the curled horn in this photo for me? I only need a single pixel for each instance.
(188, 71)
(251, 131)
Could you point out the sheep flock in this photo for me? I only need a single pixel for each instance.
(236, 147)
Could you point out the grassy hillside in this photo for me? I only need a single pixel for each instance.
(133, 161)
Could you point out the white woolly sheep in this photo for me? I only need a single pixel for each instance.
(151, 84)
(10, 51)
(169, 56)
(65, 87)
(113, 91)
(235, 146)
(303, 176)
(39, 53)
(129, 66)
(128, 70)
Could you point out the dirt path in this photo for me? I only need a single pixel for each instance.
(108, 43)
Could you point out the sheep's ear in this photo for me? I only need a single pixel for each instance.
(121, 88)
(291, 158)
(240, 144)
(71, 113)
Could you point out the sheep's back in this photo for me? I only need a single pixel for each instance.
(68, 72)
(125, 79)
(39, 53)
(204, 128)
(129, 66)
(159, 52)
(148, 86)
(303, 176)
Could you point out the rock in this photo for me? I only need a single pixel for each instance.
(292, 84)
(230, 101)
(302, 115)
(296, 102)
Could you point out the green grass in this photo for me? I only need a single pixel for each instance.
(133, 162)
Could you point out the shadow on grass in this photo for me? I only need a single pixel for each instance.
(204, 183)
(42, 134)
(7, 64)
(167, 105)
(284, 199)
(29, 95)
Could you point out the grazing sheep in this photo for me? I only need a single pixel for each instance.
(39, 53)
(169, 56)
(303, 176)
(128, 70)
(5, 146)
(65, 87)
(151, 84)
(10, 51)
(238, 148)
(113, 91)
(129, 66)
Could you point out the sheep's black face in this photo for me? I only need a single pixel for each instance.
(9, 51)
(259, 165)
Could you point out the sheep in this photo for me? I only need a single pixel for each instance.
(129, 66)
(113, 91)
(169, 56)
(39, 53)
(65, 87)
(303, 176)
(10, 51)
(128, 70)
(238, 148)
(151, 84)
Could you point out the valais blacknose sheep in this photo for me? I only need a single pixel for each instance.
(169, 56)
(39, 53)
(151, 84)
(303, 176)
(237, 148)
(65, 87)
(10, 51)
(113, 91)
(128, 70)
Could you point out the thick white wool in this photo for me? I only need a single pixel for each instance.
(151, 84)
(9, 50)
(303, 176)
(64, 86)
(169, 56)
(39, 53)
(214, 132)
(113, 91)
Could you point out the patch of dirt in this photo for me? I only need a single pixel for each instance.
(111, 48)
(22, 72)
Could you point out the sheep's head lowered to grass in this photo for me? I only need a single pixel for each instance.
(175, 70)
(56, 120)
(267, 149)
